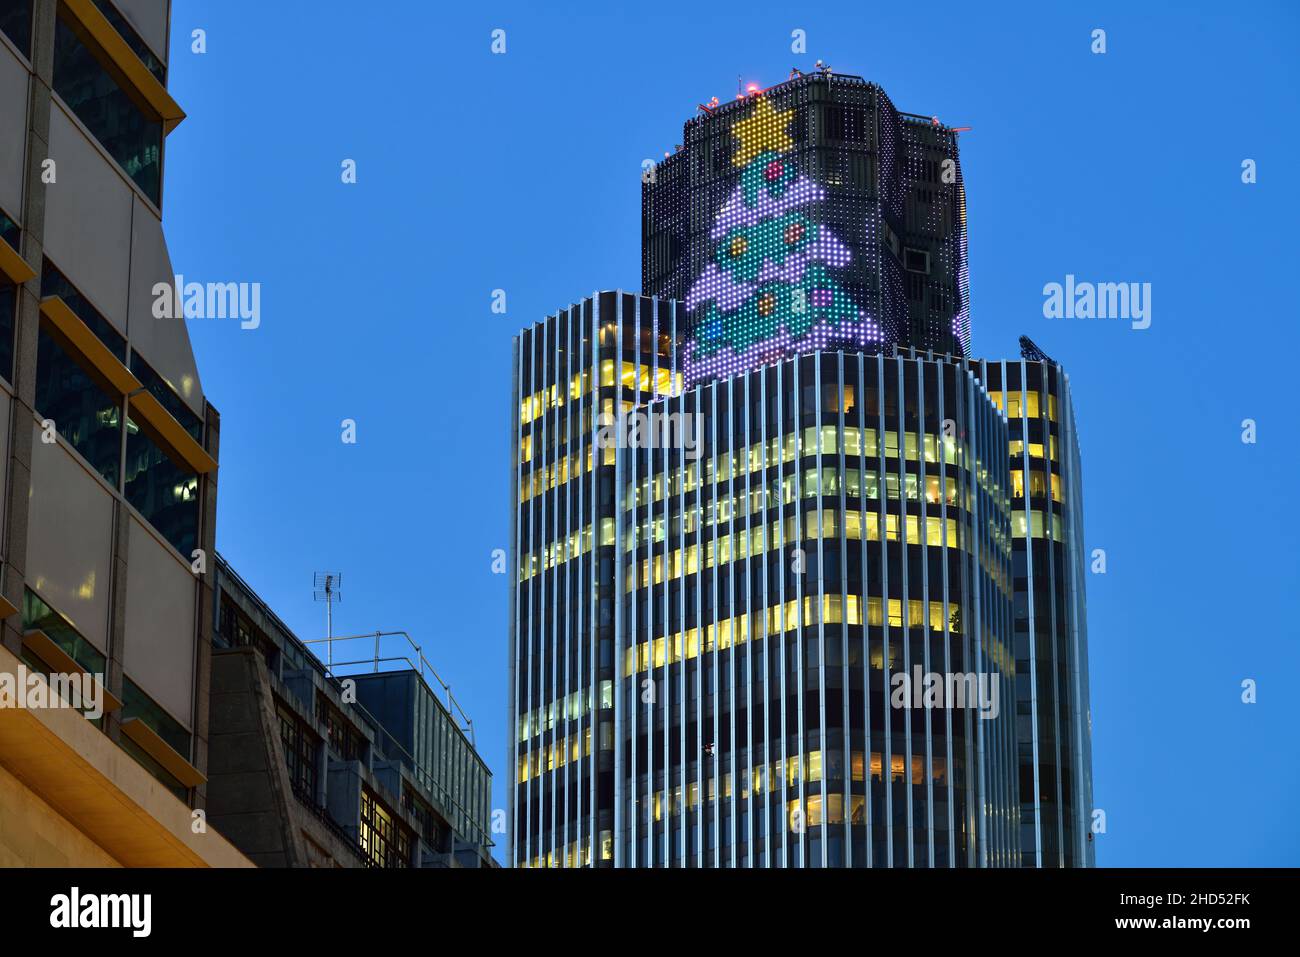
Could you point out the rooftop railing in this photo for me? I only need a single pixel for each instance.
(392, 661)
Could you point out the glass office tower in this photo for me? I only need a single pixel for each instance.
(709, 638)
(812, 495)
(1051, 631)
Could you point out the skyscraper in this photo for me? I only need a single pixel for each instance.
(1054, 717)
(873, 194)
(109, 452)
(791, 589)
(707, 641)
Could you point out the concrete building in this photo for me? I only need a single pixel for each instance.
(354, 764)
(108, 455)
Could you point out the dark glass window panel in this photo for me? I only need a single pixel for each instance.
(82, 412)
(131, 137)
(54, 283)
(133, 40)
(146, 761)
(166, 395)
(345, 740)
(137, 704)
(8, 230)
(38, 615)
(299, 753)
(8, 312)
(160, 490)
(16, 22)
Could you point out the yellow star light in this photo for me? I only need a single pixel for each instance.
(764, 131)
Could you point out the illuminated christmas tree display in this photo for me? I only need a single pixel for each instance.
(768, 289)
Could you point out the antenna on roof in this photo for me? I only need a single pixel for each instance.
(1029, 350)
(325, 587)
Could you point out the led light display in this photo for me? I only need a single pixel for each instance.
(811, 207)
(769, 287)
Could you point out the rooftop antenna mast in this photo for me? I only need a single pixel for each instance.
(1029, 350)
(325, 587)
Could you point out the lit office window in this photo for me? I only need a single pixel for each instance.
(385, 841)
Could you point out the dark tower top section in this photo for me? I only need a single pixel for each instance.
(812, 214)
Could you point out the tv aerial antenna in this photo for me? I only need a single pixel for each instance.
(325, 587)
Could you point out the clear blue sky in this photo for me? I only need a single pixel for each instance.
(521, 172)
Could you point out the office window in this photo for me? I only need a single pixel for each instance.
(133, 40)
(299, 752)
(82, 412)
(131, 137)
(137, 704)
(160, 490)
(166, 395)
(385, 840)
(346, 741)
(37, 615)
(424, 817)
(54, 283)
(9, 230)
(16, 22)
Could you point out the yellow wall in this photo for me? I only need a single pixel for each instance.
(33, 834)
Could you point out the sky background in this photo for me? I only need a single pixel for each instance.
(521, 172)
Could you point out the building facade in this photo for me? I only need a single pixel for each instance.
(857, 208)
(307, 771)
(108, 451)
(754, 504)
(715, 643)
(1053, 714)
